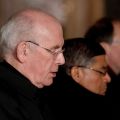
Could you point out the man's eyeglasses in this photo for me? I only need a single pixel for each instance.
(54, 53)
(101, 72)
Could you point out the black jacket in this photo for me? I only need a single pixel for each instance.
(114, 94)
(19, 99)
(71, 101)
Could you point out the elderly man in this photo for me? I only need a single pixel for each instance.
(31, 51)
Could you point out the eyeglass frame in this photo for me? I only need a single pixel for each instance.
(90, 68)
(54, 53)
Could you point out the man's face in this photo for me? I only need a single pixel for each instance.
(113, 50)
(95, 76)
(45, 58)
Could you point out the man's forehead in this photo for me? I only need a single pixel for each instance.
(116, 33)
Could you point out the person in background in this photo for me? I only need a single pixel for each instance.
(81, 83)
(106, 31)
(31, 44)
(86, 63)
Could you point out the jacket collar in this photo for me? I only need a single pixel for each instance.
(14, 80)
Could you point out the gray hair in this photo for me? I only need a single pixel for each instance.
(80, 52)
(17, 29)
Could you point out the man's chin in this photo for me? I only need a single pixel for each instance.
(49, 82)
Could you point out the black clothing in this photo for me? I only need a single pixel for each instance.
(114, 94)
(19, 99)
(73, 102)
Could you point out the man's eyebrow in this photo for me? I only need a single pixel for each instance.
(116, 41)
(105, 67)
(56, 47)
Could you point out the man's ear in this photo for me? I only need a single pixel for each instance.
(21, 51)
(77, 74)
(105, 46)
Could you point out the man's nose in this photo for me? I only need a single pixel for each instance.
(60, 59)
(107, 78)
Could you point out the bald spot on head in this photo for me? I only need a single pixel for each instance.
(47, 23)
